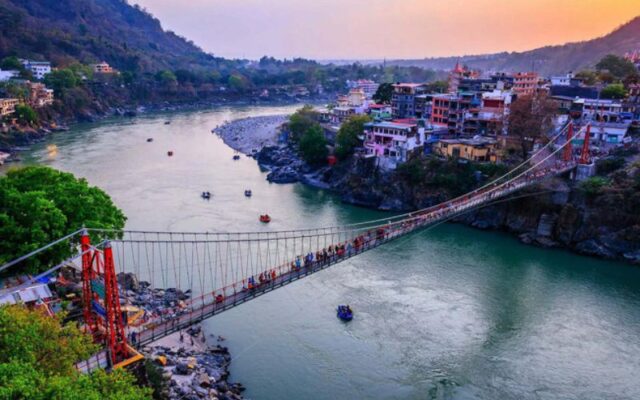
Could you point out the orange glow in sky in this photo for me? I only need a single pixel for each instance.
(350, 29)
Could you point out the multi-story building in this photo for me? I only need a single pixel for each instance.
(457, 74)
(392, 143)
(477, 149)
(525, 83)
(448, 110)
(380, 111)
(8, 106)
(404, 97)
(102, 68)
(39, 95)
(38, 68)
(491, 117)
(369, 87)
(562, 80)
(356, 97)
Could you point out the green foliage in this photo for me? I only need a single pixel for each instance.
(60, 80)
(40, 204)
(301, 121)
(593, 186)
(588, 77)
(614, 91)
(238, 82)
(37, 357)
(313, 145)
(438, 86)
(384, 93)
(619, 67)
(166, 77)
(26, 114)
(11, 63)
(347, 138)
(607, 165)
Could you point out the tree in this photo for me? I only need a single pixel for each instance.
(11, 63)
(238, 82)
(588, 77)
(347, 138)
(614, 91)
(531, 117)
(438, 86)
(384, 93)
(60, 80)
(40, 204)
(301, 121)
(37, 357)
(26, 114)
(313, 145)
(619, 67)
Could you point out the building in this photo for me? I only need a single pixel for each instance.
(340, 114)
(380, 111)
(492, 115)
(448, 110)
(564, 80)
(609, 133)
(369, 87)
(600, 110)
(102, 68)
(457, 74)
(393, 142)
(477, 149)
(356, 97)
(39, 95)
(38, 68)
(404, 97)
(525, 83)
(8, 106)
(7, 75)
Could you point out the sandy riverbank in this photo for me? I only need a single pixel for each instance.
(248, 134)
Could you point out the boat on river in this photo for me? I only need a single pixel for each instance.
(206, 195)
(265, 218)
(248, 193)
(345, 313)
(150, 139)
(170, 153)
(236, 157)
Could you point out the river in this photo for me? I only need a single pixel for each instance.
(452, 313)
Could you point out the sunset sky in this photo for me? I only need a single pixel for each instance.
(351, 29)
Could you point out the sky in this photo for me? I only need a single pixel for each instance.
(366, 29)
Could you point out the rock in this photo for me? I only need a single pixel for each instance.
(128, 281)
(202, 379)
(546, 224)
(182, 369)
(593, 248)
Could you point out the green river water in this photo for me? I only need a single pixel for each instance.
(451, 313)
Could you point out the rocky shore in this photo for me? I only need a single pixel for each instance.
(249, 135)
(189, 367)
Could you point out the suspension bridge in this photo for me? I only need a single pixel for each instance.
(220, 271)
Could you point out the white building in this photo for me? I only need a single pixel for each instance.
(6, 75)
(562, 80)
(392, 142)
(369, 87)
(38, 68)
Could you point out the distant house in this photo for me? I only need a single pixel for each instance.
(39, 95)
(102, 68)
(7, 75)
(525, 82)
(38, 68)
(477, 149)
(8, 106)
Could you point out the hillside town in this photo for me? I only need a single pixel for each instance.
(470, 119)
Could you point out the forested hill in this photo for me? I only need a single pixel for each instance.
(546, 60)
(64, 31)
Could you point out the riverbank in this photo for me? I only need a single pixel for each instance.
(249, 135)
(191, 368)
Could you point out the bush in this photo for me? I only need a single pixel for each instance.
(313, 145)
(593, 186)
(607, 165)
(26, 114)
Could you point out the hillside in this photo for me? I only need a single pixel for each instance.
(546, 60)
(64, 31)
